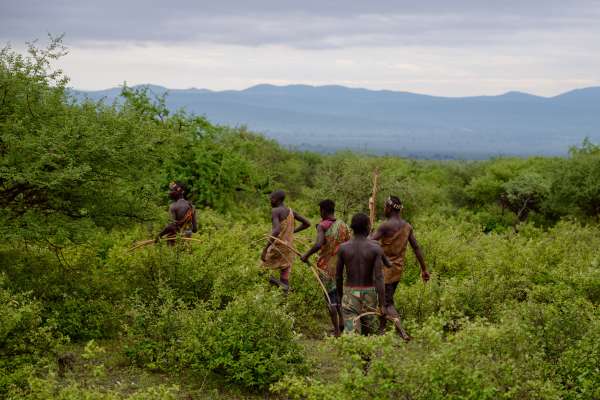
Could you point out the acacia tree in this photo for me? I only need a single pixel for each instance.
(67, 167)
(525, 193)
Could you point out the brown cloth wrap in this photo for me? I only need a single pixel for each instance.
(394, 248)
(337, 234)
(280, 256)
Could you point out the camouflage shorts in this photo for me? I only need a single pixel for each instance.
(356, 302)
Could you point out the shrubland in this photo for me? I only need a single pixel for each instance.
(511, 310)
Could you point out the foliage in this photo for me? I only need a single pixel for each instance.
(511, 310)
(250, 342)
(68, 167)
(25, 339)
(576, 182)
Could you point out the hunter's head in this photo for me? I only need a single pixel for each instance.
(360, 224)
(393, 205)
(327, 208)
(277, 198)
(176, 190)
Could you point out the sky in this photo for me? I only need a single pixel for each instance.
(438, 47)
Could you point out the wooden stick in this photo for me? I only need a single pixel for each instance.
(151, 241)
(141, 244)
(395, 320)
(373, 199)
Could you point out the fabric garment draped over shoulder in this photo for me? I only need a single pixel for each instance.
(279, 256)
(394, 248)
(336, 233)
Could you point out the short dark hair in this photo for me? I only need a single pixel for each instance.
(327, 205)
(278, 195)
(360, 224)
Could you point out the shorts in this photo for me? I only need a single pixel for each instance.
(355, 302)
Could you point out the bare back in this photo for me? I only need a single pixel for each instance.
(361, 258)
(179, 209)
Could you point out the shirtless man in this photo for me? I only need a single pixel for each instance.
(182, 215)
(394, 235)
(361, 258)
(276, 255)
(331, 233)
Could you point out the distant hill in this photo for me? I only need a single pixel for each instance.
(327, 118)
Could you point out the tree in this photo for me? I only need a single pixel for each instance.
(576, 183)
(67, 167)
(525, 193)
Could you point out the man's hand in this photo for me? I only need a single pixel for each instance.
(304, 258)
(382, 311)
(425, 275)
(263, 255)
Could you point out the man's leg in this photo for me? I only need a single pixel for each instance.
(369, 303)
(283, 281)
(393, 313)
(350, 310)
(388, 304)
(284, 275)
(335, 312)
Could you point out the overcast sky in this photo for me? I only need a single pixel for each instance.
(441, 47)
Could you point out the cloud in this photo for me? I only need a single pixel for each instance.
(301, 24)
(444, 47)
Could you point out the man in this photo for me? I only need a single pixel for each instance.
(182, 215)
(364, 288)
(277, 253)
(394, 235)
(331, 233)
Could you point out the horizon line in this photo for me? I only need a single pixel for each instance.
(337, 86)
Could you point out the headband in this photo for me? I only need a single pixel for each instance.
(174, 186)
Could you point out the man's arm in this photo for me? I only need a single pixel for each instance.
(318, 244)
(339, 276)
(170, 228)
(378, 279)
(415, 246)
(194, 221)
(304, 221)
(275, 231)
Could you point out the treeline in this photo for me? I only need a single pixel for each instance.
(68, 166)
(512, 244)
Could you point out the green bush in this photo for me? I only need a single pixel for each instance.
(27, 342)
(251, 342)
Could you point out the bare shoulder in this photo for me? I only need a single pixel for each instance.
(345, 246)
(375, 247)
(385, 225)
(386, 228)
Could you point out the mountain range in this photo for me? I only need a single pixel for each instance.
(330, 118)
